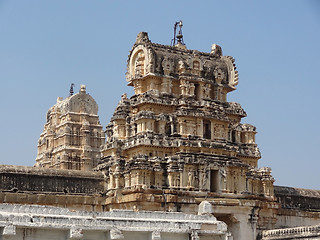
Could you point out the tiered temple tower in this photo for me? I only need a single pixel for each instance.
(72, 135)
(179, 133)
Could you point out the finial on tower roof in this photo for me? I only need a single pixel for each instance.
(71, 89)
(82, 89)
(177, 38)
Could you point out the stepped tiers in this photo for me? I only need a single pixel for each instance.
(178, 131)
(72, 135)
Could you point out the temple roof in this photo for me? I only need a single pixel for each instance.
(80, 102)
(157, 59)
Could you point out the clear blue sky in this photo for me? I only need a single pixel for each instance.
(47, 45)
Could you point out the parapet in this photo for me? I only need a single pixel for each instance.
(298, 198)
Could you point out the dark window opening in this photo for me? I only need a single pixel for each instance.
(207, 129)
(135, 128)
(233, 136)
(214, 180)
(168, 129)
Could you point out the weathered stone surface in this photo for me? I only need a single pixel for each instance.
(176, 145)
(298, 198)
(72, 135)
(306, 232)
(31, 179)
(79, 224)
(178, 131)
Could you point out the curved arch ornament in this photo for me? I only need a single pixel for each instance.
(141, 59)
(233, 75)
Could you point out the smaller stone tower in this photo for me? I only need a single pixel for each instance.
(72, 135)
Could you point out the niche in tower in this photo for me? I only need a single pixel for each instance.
(206, 129)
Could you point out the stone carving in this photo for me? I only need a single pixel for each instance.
(205, 208)
(142, 38)
(219, 76)
(50, 222)
(206, 90)
(156, 235)
(216, 50)
(305, 232)
(181, 67)
(116, 234)
(167, 65)
(75, 233)
(139, 64)
(9, 230)
(187, 88)
(233, 75)
(194, 235)
(191, 179)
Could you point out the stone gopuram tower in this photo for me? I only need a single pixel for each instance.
(178, 139)
(72, 135)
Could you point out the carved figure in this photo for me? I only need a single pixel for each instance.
(183, 87)
(216, 50)
(206, 90)
(139, 64)
(191, 89)
(203, 179)
(181, 66)
(196, 65)
(190, 178)
(219, 75)
(167, 65)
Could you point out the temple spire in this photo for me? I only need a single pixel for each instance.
(177, 38)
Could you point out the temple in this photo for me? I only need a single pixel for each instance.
(72, 135)
(175, 162)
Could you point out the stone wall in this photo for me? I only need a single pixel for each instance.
(298, 198)
(32, 179)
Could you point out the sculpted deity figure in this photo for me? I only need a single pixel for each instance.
(219, 75)
(190, 178)
(139, 65)
(167, 65)
(183, 87)
(203, 179)
(206, 90)
(191, 89)
(196, 65)
(181, 66)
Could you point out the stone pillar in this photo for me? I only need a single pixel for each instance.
(171, 179)
(143, 126)
(194, 235)
(127, 182)
(200, 127)
(158, 179)
(212, 130)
